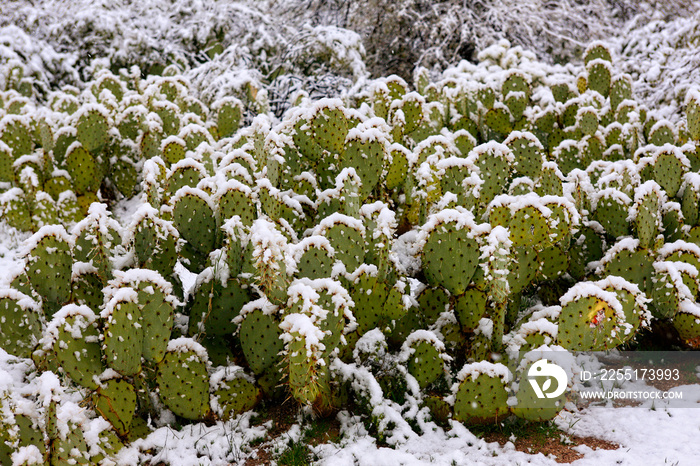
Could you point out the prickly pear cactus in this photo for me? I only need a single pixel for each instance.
(21, 319)
(233, 392)
(259, 333)
(182, 378)
(123, 331)
(480, 393)
(425, 357)
(49, 266)
(73, 336)
(194, 217)
(450, 249)
(115, 400)
(591, 319)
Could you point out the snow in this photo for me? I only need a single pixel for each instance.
(188, 345)
(475, 369)
(589, 289)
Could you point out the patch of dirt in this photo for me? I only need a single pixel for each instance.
(561, 448)
(283, 416)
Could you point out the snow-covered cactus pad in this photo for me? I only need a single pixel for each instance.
(591, 319)
(194, 216)
(183, 380)
(74, 338)
(259, 332)
(233, 392)
(123, 331)
(449, 244)
(115, 400)
(692, 113)
(21, 320)
(480, 393)
(49, 266)
(425, 357)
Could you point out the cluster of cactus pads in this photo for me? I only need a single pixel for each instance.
(397, 244)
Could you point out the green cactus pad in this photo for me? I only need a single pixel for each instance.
(329, 125)
(529, 405)
(173, 150)
(597, 50)
(591, 319)
(523, 269)
(154, 240)
(646, 212)
(194, 217)
(49, 266)
(424, 354)
(215, 306)
(83, 170)
(668, 289)
(450, 252)
(156, 304)
(413, 107)
(469, 308)
(528, 153)
(687, 323)
(182, 379)
(259, 333)
(21, 323)
(627, 260)
(398, 168)
(377, 303)
(186, 173)
(690, 200)
(309, 378)
(129, 122)
(599, 76)
(115, 400)
(431, 303)
(670, 165)
(480, 394)
(150, 143)
(15, 133)
(69, 450)
(7, 174)
(229, 112)
(346, 236)
(692, 114)
(169, 114)
(233, 392)
(498, 119)
(495, 162)
(620, 89)
(123, 332)
(15, 210)
(28, 434)
(92, 129)
(587, 120)
(553, 262)
(314, 257)
(366, 154)
(611, 211)
(76, 344)
(87, 285)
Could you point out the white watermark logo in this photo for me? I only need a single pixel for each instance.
(544, 369)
